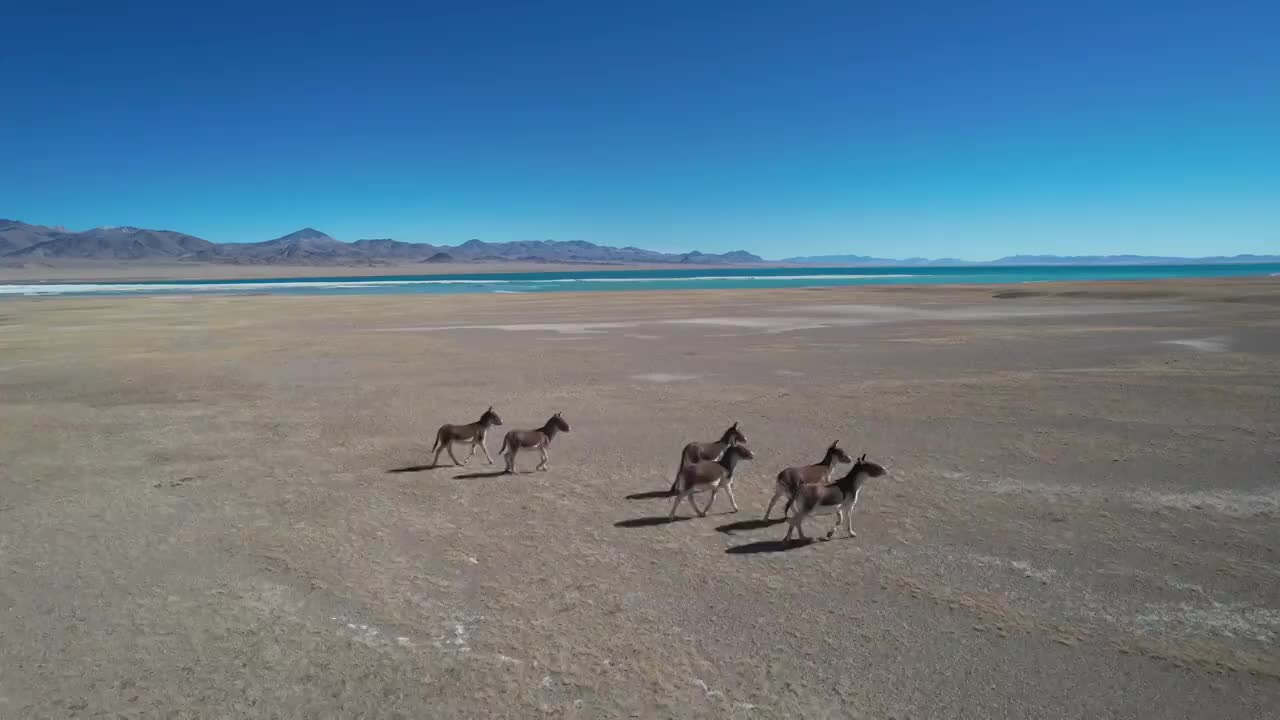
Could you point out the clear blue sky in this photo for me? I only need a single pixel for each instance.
(972, 129)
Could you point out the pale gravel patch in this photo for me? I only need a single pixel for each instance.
(563, 328)
(1209, 344)
(888, 313)
(1226, 502)
(831, 316)
(665, 377)
(1200, 616)
(371, 635)
(1044, 575)
(1235, 620)
(1232, 503)
(768, 324)
(707, 689)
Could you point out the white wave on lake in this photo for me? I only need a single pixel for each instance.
(321, 285)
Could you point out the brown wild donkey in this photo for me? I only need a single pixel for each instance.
(709, 475)
(697, 452)
(838, 497)
(792, 479)
(473, 433)
(529, 439)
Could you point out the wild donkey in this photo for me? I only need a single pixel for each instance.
(792, 479)
(840, 497)
(709, 475)
(540, 439)
(473, 433)
(697, 452)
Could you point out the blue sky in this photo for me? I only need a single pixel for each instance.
(972, 130)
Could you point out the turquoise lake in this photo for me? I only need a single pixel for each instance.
(663, 279)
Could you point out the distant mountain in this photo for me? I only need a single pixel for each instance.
(864, 260)
(19, 240)
(309, 246)
(304, 247)
(15, 236)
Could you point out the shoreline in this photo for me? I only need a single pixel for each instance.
(123, 272)
(1239, 289)
(1251, 290)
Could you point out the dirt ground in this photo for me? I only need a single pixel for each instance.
(218, 506)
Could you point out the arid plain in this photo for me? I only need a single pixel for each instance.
(217, 506)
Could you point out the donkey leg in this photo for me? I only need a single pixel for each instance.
(791, 526)
(848, 519)
(707, 507)
(511, 460)
(451, 455)
(545, 459)
(472, 451)
(732, 500)
(487, 456)
(839, 517)
(679, 497)
(777, 493)
(797, 522)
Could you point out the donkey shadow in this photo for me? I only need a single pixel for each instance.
(649, 521)
(768, 546)
(743, 525)
(414, 469)
(491, 474)
(651, 495)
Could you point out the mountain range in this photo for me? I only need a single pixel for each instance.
(21, 241)
(1014, 260)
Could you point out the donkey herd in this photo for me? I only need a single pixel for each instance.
(704, 467)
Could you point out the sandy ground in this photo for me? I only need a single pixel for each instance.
(217, 507)
(82, 271)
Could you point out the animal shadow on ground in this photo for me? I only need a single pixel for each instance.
(768, 546)
(491, 474)
(650, 495)
(648, 521)
(734, 527)
(413, 468)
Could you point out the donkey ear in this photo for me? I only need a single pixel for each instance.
(490, 408)
(735, 425)
(834, 444)
(863, 458)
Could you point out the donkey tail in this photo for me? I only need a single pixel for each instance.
(794, 487)
(790, 483)
(675, 484)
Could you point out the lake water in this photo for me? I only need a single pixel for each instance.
(664, 279)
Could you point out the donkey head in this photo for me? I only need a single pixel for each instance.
(865, 466)
(490, 417)
(734, 436)
(559, 423)
(836, 454)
